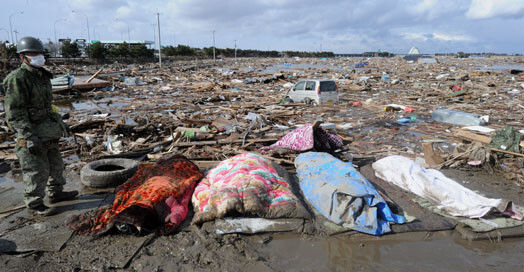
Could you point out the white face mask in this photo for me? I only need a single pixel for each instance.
(37, 61)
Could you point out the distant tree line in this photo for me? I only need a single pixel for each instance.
(184, 50)
(124, 50)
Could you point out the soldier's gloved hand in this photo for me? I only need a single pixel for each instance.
(34, 145)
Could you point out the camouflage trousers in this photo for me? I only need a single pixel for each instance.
(40, 170)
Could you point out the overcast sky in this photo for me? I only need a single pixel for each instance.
(351, 26)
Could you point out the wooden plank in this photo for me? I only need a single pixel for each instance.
(206, 164)
(507, 152)
(94, 75)
(470, 136)
(473, 137)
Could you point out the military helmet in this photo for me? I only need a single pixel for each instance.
(29, 44)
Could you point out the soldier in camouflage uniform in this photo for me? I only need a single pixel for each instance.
(38, 129)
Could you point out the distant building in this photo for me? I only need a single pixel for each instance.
(414, 51)
(414, 55)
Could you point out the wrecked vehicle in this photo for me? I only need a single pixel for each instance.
(314, 92)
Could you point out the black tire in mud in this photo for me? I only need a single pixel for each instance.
(288, 100)
(307, 101)
(107, 172)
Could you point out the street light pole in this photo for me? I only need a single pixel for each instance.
(235, 51)
(11, 25)
(16, 34)
(56, 41)
(159, 43)
(214, 59)
(87, 20)
(128, 33)
(94, 31)
(154, 33)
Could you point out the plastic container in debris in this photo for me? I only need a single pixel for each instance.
(457, 118)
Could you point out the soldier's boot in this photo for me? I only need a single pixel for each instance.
(62, 196)
(42, 210)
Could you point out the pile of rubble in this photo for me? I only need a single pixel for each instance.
(209, 111)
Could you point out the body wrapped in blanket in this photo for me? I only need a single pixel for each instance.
(155, 199)
(245, 185)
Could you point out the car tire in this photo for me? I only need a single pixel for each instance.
(307, 100)
(107, 172)
(288, 100)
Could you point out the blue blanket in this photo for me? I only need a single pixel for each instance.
(340, 193)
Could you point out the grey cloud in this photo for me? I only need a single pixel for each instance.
(342, 26)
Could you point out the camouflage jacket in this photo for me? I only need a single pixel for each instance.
(28, 103)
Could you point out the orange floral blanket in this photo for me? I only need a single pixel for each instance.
(155, 199)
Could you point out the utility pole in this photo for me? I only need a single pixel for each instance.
(56, 41)
(128, 32)
(16, 35)
(214, 59)
(159, 43)
(13, 41)
(87, 20)
(235, 51)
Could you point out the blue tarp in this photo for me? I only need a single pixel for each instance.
(361, 64)
(343, 195)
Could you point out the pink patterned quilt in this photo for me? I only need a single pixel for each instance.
(245, 185)
(306, 138)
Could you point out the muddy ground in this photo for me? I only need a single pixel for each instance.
(373, 134)
(198, 249)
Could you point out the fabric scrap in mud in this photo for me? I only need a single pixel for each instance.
(247, 185)
(155, 199)
(485, 224)
(343, 195)
(306, 138)
(507, 139)
(439, 190)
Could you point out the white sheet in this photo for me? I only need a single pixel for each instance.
(432, 185)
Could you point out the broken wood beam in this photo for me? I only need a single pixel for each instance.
(473, 137)
(94, 75)
(432, 159)
(507, 152)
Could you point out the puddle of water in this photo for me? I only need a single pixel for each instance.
(115, 104)
(86, 104)
(17, 182)
(78, 105)
(503, 67)
(71, 159)
(129, 121)
(294, 67)
(389, 253)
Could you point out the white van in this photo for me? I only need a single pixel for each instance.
(313, 91)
